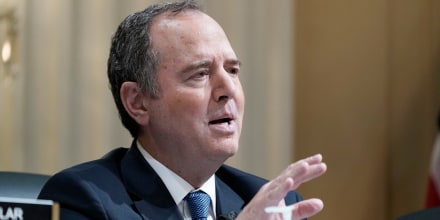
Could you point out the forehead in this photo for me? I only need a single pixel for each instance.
(185, 30)
(188, 20)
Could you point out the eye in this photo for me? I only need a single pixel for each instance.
(200, 75)
(232, 66)
(234, 70)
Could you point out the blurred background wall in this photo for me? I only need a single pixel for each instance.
(358, 81)
(367, 91)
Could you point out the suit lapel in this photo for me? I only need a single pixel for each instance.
(152, 199)
(149, 211)
(149, 194)
(228, 203)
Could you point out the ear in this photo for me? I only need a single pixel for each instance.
(133, 100)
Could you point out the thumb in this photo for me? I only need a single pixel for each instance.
(307, 208)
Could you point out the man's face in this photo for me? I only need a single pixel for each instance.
(200, 109)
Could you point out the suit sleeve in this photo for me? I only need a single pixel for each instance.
(292, 197)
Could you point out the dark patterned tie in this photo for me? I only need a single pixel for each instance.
(198, 203)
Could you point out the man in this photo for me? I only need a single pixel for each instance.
(175, 81)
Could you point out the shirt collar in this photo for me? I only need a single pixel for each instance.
(176, 185)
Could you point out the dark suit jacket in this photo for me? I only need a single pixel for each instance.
(122, 185)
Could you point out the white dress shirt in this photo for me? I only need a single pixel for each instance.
(178, 187)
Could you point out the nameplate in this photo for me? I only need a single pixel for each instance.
(28, 209)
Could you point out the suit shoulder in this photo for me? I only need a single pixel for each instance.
(226, 173)
(109, 161)
(88, 189)
(98, 173)
(94, 170)
(247, 185)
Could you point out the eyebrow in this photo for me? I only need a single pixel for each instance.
(234, 62)
(208, 63)
(196, 65)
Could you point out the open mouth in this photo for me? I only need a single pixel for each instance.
(220, 121)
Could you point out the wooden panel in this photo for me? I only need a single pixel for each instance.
(341, 103)
(367, 94)
(414, 92)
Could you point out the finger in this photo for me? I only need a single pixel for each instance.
(307, 208)
(301, 166)
(269, 195)
(317, 158)
(295, 170)
(302, 171)
(275, 191)
(312, 172)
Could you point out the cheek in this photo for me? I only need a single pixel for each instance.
(192, 105)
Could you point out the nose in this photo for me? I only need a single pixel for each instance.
(224, 85)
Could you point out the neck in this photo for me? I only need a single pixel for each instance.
(195, 172)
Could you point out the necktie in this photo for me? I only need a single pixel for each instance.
(198, 203)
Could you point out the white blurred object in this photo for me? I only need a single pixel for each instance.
(286, 211)
(8, 40)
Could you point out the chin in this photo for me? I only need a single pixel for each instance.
(222, 153)
(230, 151)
